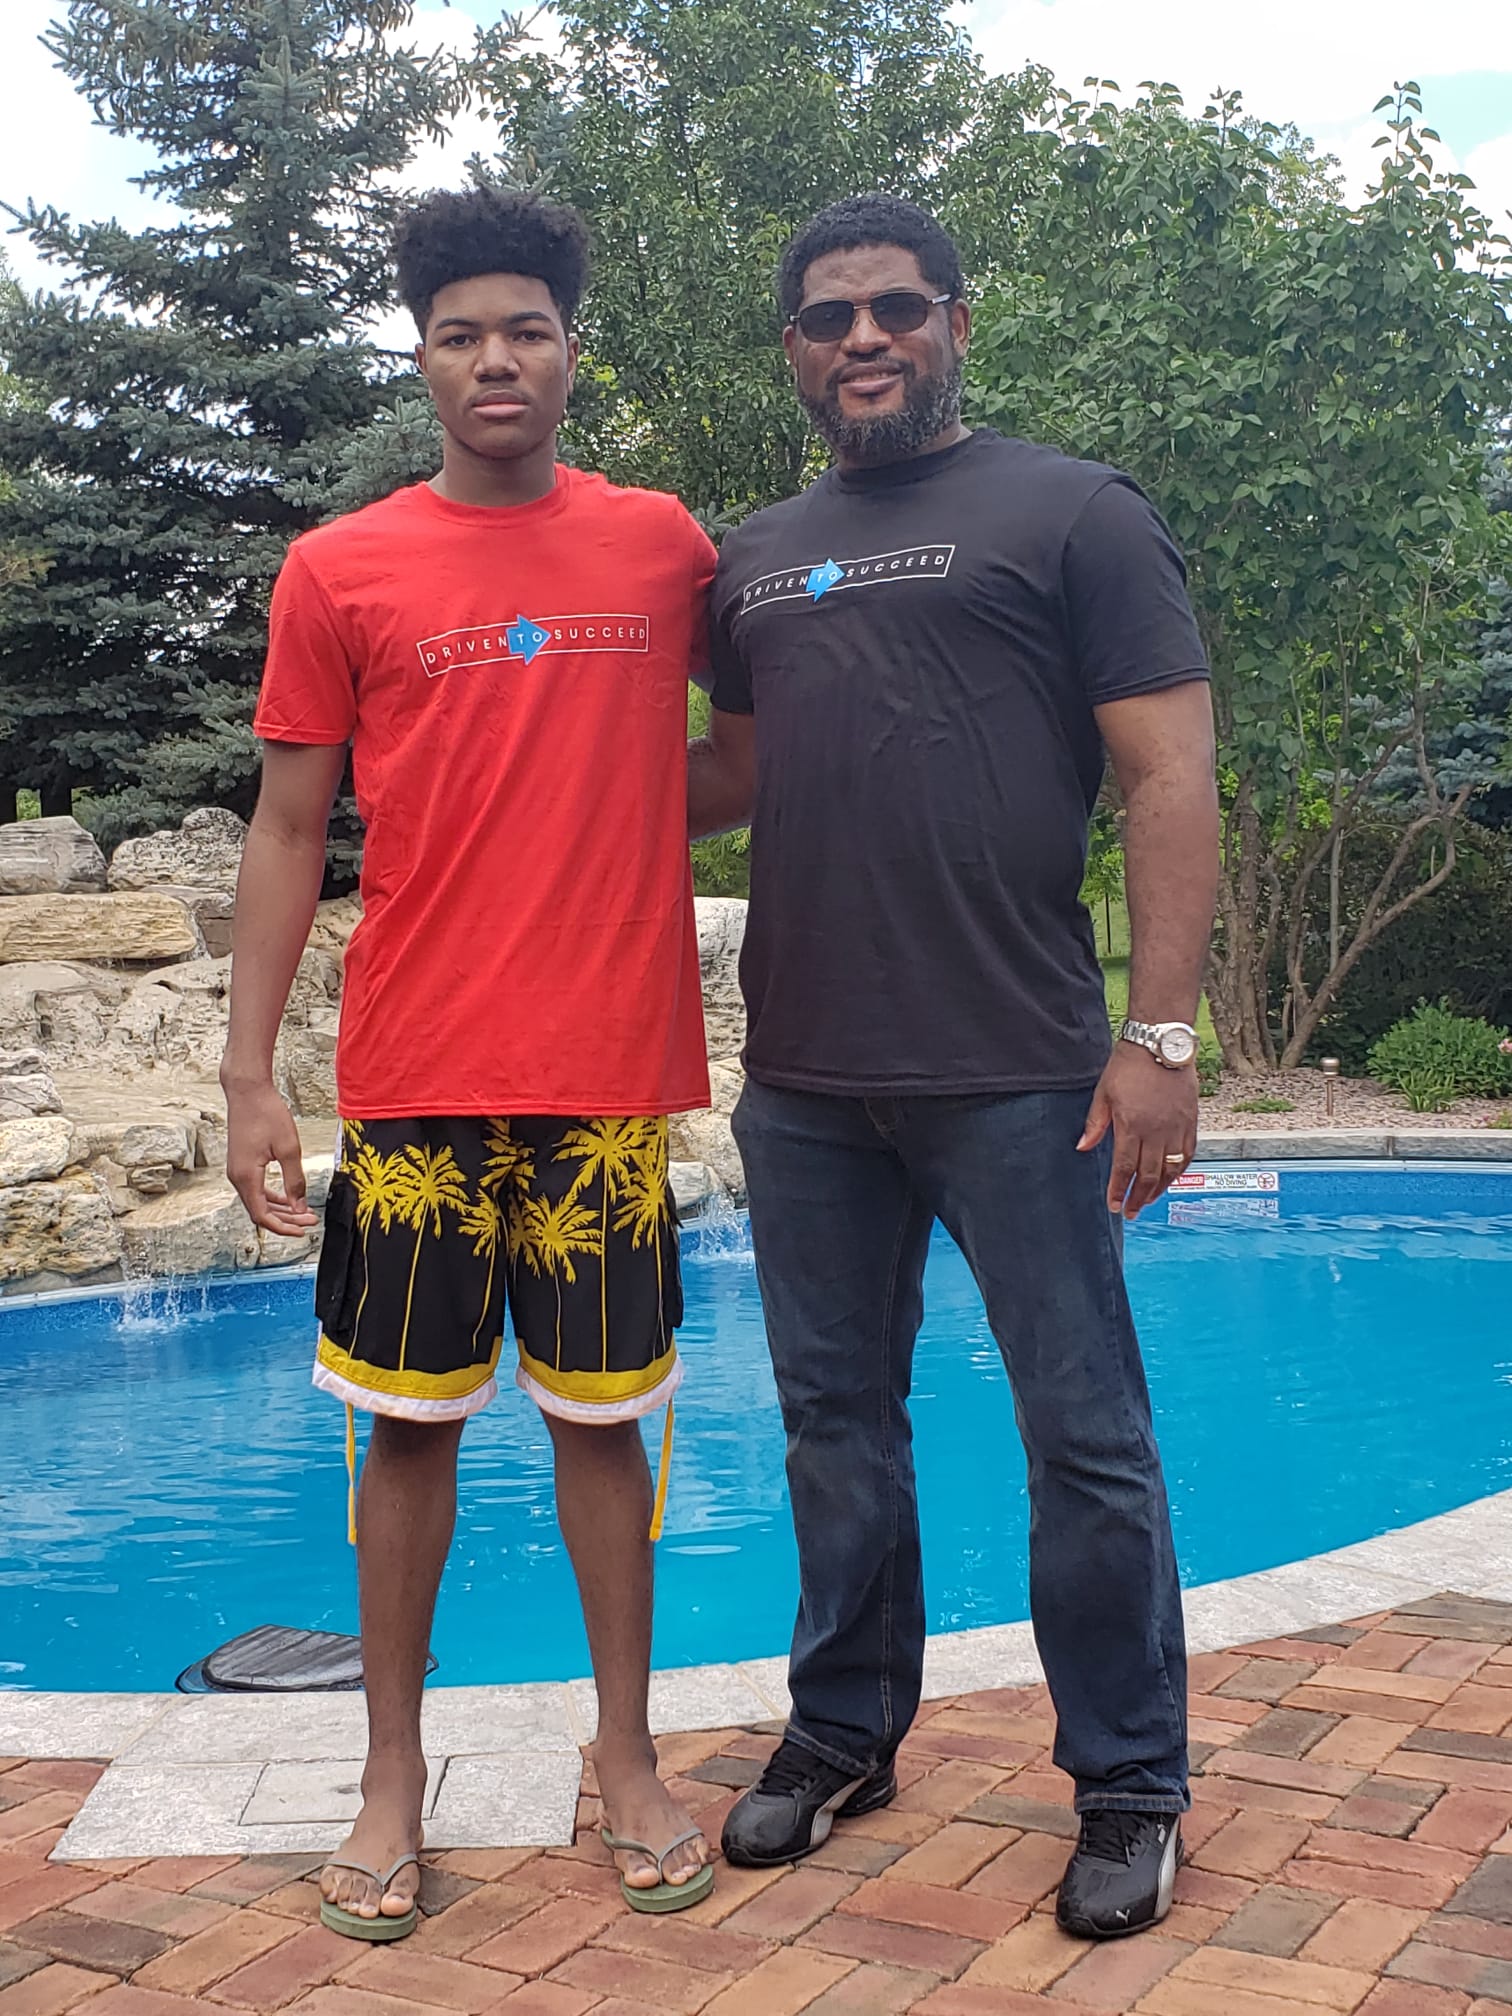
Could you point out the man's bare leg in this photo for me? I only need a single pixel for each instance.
(603, 1492)
(406, 1509)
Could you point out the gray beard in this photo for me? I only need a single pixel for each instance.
(930, 406)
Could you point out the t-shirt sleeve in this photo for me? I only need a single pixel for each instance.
(702, 562)
(731, 690)
(1132, 627)
(308, 689)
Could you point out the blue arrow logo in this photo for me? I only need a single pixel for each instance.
(824, 577)
(525, 638)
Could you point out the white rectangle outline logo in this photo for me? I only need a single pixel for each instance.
(750, 600)
(553, 647)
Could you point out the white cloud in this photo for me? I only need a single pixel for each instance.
(1320, 63)
(50, 148)
(1490, 169)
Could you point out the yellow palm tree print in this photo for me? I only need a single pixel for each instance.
(483, 1223)
(372, 1177)
(606, 1149)
(547, 1235)
(427, 1182)
(508, 1161)
(644, 1210)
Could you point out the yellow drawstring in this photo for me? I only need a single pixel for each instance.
(664, 1472)
(351, 1455)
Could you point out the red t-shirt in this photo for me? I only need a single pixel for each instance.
(513, 682)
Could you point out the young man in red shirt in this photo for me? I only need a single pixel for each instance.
(505, 650)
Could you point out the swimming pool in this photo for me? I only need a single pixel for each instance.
(1329, 1359)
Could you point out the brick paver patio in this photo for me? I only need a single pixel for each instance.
(1350, 1849)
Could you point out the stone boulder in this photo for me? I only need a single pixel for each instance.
(27, 1087)
(305, 1062)
(721, 931)
(198, 1230)
(49, 857)
(694, 1188)
(139, 929)
(203, 1229)
(151, 1151)
(63, 1228)
(58, 1013)
(35, 1150)
(706, 1137)
(213, 911)
(205, 853)
(335, 921)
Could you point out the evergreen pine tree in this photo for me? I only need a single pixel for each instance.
(195, 381)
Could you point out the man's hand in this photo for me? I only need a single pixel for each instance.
(261, 1131)
(1153, 1113)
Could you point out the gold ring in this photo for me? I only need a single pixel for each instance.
(1176, 1158)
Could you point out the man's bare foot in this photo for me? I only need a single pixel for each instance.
(393, 1794)
(638, 1807)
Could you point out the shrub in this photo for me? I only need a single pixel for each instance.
(1264, 1104)
(1435, 1056)
(1453, 944)
(1209, 1068)
(1426, 1091)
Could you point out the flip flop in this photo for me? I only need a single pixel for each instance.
(661, 1896)
(336, 1917)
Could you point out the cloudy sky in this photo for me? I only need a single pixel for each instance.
(1319, 63)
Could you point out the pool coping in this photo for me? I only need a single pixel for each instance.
(213, 1775)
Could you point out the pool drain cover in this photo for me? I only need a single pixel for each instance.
(277, 1659)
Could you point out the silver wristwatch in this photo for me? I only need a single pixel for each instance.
(1170, 1043)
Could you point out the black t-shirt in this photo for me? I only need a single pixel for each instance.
(922, 646)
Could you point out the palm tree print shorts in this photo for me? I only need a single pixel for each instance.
(434, 1225)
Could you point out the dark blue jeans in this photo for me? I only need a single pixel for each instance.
(843, 1196)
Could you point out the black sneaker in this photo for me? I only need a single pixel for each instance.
(1122, 1874)
(789, 1811)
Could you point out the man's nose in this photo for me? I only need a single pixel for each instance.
(496, 359)
(865, 334)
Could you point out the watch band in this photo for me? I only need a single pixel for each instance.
(1150, 1036)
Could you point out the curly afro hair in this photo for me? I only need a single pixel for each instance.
(458, 234)
(869, 220)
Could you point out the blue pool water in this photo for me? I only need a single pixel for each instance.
(1327, 1363)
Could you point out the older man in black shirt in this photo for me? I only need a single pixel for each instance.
(920, 663)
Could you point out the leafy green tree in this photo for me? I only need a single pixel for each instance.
(195, 381)
(1304, 387)
(20, 563)
(1487, 730)
(697, 135)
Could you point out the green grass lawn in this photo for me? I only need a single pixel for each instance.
(1111, 923)
(1116, 980)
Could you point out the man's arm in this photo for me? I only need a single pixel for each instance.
(722, 774)
(276, 894)
(1161, 746)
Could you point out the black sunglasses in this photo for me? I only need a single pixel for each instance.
(897, 313)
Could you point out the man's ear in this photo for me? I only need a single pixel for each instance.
(574, 349)
(960, 326)
(790, 345)
(420, 360)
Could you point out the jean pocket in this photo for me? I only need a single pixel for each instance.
(337, 1287)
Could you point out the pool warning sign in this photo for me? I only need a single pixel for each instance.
(1229, 1182)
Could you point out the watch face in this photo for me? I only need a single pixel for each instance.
(1177, 1046)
